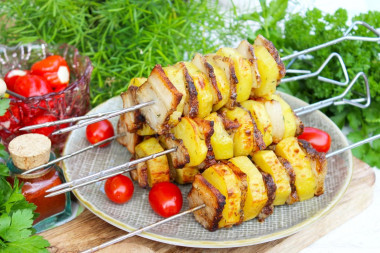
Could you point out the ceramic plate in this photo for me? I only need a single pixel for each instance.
(185, 231)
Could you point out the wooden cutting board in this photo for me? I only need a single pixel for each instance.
(87, 230)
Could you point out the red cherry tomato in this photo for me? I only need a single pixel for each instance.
(11, 77)
(119, 189)
(31, 85)
(319, 139)
(99, 131)
(165, 199)
(54, 69)
(43, 119)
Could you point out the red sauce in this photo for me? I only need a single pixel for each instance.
(34, 192)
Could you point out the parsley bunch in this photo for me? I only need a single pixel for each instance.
(16, 217)
(304, 31)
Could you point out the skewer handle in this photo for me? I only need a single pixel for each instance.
(316, 73)
(357, 144)
(345, 37)
(332, 101)
(138, 231)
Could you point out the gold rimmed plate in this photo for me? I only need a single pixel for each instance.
(185, 231)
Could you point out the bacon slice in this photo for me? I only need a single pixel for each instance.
(159, 89)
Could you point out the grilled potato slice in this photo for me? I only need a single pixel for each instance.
(256, 192)
(206, 128)
(227, 66)
(247, 137)
(305, 182)
(187, 131)
(221, 142)
(262, 119)
(158, 168)
(268, 162)
(274, 111)
(222, 178)
(247, 51)
(146, 130)
(318, 165)
(177, 78)
(159, 89)
(243, 71)
(186, 175)
(270, 67)
(200, 62)
(202, 192)
(243, 185)
(200, 92)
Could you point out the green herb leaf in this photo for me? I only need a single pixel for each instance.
(4, 105)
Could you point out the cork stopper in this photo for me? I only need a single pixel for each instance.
(30, 150)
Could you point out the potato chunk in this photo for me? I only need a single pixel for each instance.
(177, 78)
(256, 192)
(262, 119)
(187, 131)
(200, 92)
(158, 168)
(222, 178)
(247, 137)
(270, 67)
(268, 162)
(243, 70)
(221, 142)
(227, 66)
(186, 175)
(305, 182)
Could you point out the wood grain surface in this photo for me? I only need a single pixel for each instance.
(87, 230)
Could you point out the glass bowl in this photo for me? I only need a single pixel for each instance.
(73, 101)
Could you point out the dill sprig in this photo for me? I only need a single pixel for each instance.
(123, 38)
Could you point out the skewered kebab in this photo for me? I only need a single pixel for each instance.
(239, 190)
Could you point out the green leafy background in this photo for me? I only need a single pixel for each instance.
(125, 39)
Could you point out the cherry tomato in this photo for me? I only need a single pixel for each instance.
(11, 77)
(119, 189)
(319, 139)
(43, 119)
(54, 69)
(31, 85)
(99, 131)
(165, 198)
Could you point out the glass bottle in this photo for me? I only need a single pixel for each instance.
(34, 185)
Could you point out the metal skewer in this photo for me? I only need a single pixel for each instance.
(138, 231)
(343, 38)
(106, 116)
(63, 121)
(321, 78)
(332, 101)
(73, 154)
(299, 111)
(117, 170)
